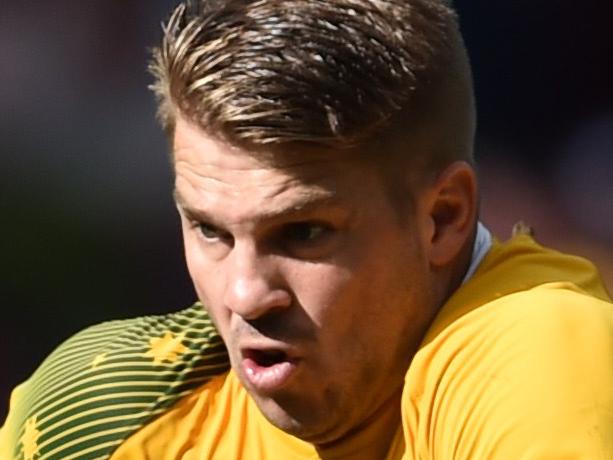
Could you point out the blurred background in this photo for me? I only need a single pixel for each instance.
(88, 228)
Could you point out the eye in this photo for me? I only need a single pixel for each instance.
(309, 240)
(306, 232)
(210, 233)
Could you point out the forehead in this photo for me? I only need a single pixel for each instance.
(213, 174)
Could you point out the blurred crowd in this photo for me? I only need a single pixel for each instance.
(89, 230)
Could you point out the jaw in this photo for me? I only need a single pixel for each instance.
(327, 418)
(331, 435)
(370, 439)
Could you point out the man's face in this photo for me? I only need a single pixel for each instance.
(317, 285)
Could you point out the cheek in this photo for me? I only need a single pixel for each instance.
(195, 266)
(322, 292)
(377, 301)
(199, 269)
(189, 248)
(207, 282)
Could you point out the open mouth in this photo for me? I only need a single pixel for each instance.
(265, 358)
(267, 370)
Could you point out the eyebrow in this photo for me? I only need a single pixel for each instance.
(304, 206)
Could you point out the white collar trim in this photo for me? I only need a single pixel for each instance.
(483, 243)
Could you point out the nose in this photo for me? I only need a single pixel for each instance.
(253, 286)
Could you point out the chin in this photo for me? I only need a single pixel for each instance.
(300, 419)
(280, 418)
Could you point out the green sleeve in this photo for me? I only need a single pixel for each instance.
(107, 381)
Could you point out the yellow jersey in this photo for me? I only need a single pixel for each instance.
(518, 364)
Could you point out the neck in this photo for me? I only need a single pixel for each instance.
(454, 275)
(372, 439)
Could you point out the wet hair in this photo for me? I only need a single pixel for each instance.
(337, 74)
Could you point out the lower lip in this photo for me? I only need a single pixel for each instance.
(270, 378)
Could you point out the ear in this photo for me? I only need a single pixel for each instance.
(450, 210)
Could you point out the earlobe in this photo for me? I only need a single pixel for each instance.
(452, 211)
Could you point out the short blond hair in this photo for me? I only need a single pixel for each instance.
(325, 73)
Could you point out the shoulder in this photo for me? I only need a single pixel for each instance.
(529, 371)
(106, 381)
(556, 309)
(551, 317)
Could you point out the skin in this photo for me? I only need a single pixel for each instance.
(310, 254)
